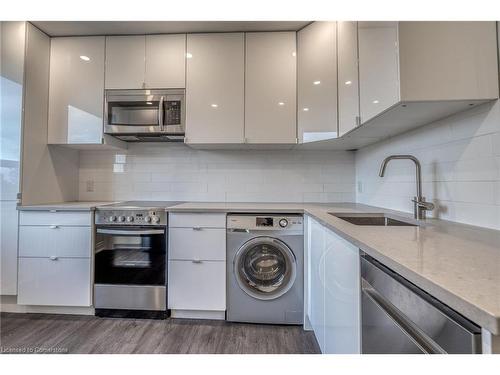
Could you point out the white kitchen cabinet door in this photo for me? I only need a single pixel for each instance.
(270, 88)
(165, 61)
(197, 285)
(215, 88)
(316, 288)
(342, 296)
(76, 90)
(196, 220)
(12, 41)
(317, 82)
(61, 282)
(60, 241)
(67, 218)
(125, 62)
(8, 247)
(348, 89)
(378, 67)
(197, 244)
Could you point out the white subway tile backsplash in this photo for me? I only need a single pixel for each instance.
(176, 172)
(460, 158)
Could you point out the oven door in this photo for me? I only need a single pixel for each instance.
(130, 255)
(144, 112)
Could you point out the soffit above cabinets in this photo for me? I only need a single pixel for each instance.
(73, 28)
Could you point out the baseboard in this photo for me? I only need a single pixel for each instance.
(10, 305)
(198, 314)
(307, 323)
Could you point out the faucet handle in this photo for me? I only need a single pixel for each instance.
(429, 206)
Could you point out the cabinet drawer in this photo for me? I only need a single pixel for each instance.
(55, 218)
(61, 241)
(190, 220)
(202, 244)
(62, 282)
(197, 286)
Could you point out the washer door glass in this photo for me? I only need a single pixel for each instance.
(265, 268)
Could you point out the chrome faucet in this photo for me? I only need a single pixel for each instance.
(420, 206)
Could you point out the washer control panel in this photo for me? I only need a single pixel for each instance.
(131, 217)
(265, 222)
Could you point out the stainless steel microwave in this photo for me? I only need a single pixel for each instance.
(145, 115)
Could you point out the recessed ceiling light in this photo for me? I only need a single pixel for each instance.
(294, 54)
(188, 55)
(348, 82)
(305, 109)
(281, 103)
(85, 58)
(316, 82)
(214, 105)
(375, 101)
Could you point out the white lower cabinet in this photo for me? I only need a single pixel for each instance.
(55, 240)
(197, 265)
(333, 290)
(55, 261)
(197, 285)
(55, 282)
(316, 288)
(342, 295)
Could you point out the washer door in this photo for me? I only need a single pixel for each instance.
(265, 268)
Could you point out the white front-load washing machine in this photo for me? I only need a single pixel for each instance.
(265, 268)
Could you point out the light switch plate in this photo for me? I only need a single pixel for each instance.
(90, 186)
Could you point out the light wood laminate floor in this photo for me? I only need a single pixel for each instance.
(88, 334)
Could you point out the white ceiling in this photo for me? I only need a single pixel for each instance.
(67, 28)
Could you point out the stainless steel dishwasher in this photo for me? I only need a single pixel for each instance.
(398, 317)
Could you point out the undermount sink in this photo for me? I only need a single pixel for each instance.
(377, 219)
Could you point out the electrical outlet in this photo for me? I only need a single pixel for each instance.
(360, 186)
(90, 186)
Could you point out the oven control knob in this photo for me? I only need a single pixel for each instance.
(147, 219)
(283, 223)
(130, 219)
(121, 219)
(156, 219)
(112, 218)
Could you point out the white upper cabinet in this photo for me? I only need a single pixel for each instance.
(145, 62)
(76, 90)
(317, 81)
(165, 61)
(378, 67)
(215, 88)
(125, 62)
(413, 73)
(448, 60)
(270, 87)
(348, 85)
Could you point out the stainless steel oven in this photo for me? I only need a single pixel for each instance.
(130, 271)
(145, 115)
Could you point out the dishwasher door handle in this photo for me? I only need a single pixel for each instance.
(420, 338)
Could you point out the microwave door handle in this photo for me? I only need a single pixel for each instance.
(160, 113)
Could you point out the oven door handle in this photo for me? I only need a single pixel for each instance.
(130, 232)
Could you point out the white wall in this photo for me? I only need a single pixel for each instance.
(460, 159)
(176, 172)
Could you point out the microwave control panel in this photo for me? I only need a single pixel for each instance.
(173, 112)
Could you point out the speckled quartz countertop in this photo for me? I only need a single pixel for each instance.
(457, 264)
